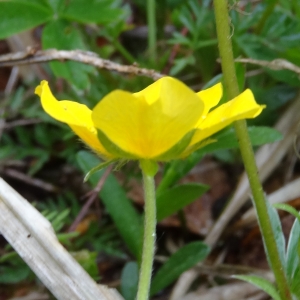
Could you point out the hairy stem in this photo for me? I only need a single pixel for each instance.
(231, 84)
(149, 236)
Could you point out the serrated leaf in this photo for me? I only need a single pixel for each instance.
(129, 280)
(17, 16)
(262, 283)
(180, 261)
(63, 36)
(95, 11)
(120, 208)
(176, 198)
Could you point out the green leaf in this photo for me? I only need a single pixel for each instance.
(182, 260)
(176, 198)
(14, 274)
(17, 16)
(288, 208)
(262, 283)
(292, 254)
(88, 260)
(278, 234)
(226, 139)
(93, 11)
(129, 280)
(63, 36)
(126, 218)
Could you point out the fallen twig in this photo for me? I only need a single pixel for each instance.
(276, 64)
(90, 58)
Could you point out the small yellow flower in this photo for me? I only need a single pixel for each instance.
(166, 120)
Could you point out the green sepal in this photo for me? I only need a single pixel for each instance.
(113, 148)
(149, 167)
(98, 168)
(197, 146)
(176, 151)
(120, 164)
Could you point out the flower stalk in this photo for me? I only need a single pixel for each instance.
(231, 84)
(149, 233)
(151, 29)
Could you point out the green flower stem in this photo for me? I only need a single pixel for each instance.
(149, 235)
(151, 29)
(123, 51)
(269, 10)
(230, 80)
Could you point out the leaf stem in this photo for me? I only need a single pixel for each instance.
(149, 236)
(151, 29)
(231, 84)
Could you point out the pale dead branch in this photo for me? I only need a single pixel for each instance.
(32, 236)
(276, 64)
(90, 58)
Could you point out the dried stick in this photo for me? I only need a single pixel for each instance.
(90, 58)
(32, 236)
(276, 64)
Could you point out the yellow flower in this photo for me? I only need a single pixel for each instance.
(166, 120)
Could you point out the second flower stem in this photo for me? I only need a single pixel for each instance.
(230, 79)
(149, 237)
(151, 29)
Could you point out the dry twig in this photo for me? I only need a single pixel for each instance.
(276, 64)
(90, 58)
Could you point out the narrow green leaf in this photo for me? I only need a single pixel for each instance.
(262, 283)
(226, 139)
(129, 280)
(288, 208)
(17, 16)
(278, 233)
(176, 198)
(126, 218)
(182, 260)
(292, 254)
(63, 36)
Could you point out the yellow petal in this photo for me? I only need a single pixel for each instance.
(241, 107)
(211, 97)
(150, 122)
(77, 116)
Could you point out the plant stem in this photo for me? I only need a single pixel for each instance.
(149, 236)
(123, 51)
(231, 84)
(151, 29)
(269, 10)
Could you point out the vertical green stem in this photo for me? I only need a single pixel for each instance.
(230, 80)
(269, 10)
(123, 51)
(149, 236)
(151, 29)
